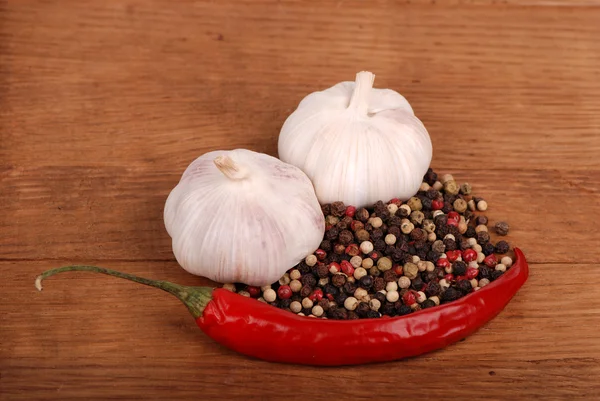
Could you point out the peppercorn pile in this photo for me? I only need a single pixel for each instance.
(394, 258)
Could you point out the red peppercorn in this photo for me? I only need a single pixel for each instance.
(453, 223)
(375, 256)
(352, 250)
(490, 261)
(316, 295)
(453, 255)
(453, 216)
(472, 273)
(449, 277)
(409, 298)
(328, 227)
(347, 268)
(396, 201)
(284, 292)
(334, 268)
(350, 210)
(253, 291)
(442, 263)
(320, 254)
(469, 255)
(437, 204)
(398, 269)
(330, 297)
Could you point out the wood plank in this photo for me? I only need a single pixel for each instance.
(116, 212)
(99, 337)
(135, 83)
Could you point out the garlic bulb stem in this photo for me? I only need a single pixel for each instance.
(359, 102)
(229, 168)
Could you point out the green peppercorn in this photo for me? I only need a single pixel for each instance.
(451, 187)
(384, 264)
(414, 203)
(465, 189)
(460, 205)
(411, 270)
(331, 220)
(362, 235)
(417, 217)
(438, 246)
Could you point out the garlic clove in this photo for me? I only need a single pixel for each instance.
(242, 216)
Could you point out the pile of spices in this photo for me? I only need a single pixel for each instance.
(394, 258)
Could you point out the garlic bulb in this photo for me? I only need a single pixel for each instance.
(357, 144)
(242, 216)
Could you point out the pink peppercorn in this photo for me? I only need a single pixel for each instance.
(453, 223)
(453, 255)
(449, 277)
(469, 255)
(490, 261)
(316, 295)
(442, 263)
(409, 298)
(472, 273)
(347, 268)
(330, 297)
(253, 291)
(334, 268)
(437, 204)
(350, 210)
(398, 269)
(352, 250)
(453, 216)
(284, 292)
(320, 254)
(396, 201)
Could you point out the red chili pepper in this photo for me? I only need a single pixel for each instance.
(260, 330)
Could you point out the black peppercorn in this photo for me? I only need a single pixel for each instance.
(468, 215)
(459, 268)
(376, 234)
(404, 310)
(502, 228)
(339, 249)
(346, 237)
(362, 215)
(330, 289)
(284, 303)
(432, 256)
(306, 311)
(418, 234)
(362, 308)
(332, 233)
(379, 284)
(337, 313)
(308, 280)
(481, 220)
(349, 288)
(387, 308)
(380, 297)
(484, 272)
(325, 245)
(372, 314)
(483, 237)
(366, 282)
(352, 315)
(303, 268)
(463, 244)
(447, 207)
(395, 230)
(416, 283)
(430, 177)
(338, 279)
(322, 271)
(433, 288)
(470, 233)
(326, 209)
(464, 286)
(451, 294)
(496, 274)
(369, 228)
(502, 247)
(450, 244)
(379, 245)
(389, 276)
(428, 303)
(429, 276)
(488, 248)
(306, 291)
(324, 303)
(426, 202)
(335, 257)
(338, 209)
(340, 299)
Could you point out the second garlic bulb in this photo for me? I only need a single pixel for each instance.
(242, 216)
(357, 144)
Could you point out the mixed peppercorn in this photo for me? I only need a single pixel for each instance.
(394, 258)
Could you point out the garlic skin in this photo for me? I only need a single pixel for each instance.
(242, 216)
(357, 144)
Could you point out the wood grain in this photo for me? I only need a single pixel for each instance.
(103, 104)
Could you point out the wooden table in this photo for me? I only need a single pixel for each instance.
(104, 103)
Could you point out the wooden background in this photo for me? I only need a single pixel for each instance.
(104, 103)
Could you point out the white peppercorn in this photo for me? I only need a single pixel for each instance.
(295, 306)
(500, 267)
(391, 286)
(420, 297)
(404, 282)
(231, 287)
(392, 296)
(506, 261)
(356, 261)
(359, 273)
(295, 274)
(483, 282)
(317, 310)
(310, 260)
(367, 263)
(350, 303)
(270, 295)
(307, 303)
(366, 247)
(482, 206)
(392, 208)
(390, 239)
(295, 285)
(374, 304)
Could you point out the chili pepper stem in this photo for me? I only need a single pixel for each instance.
(195, 298)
